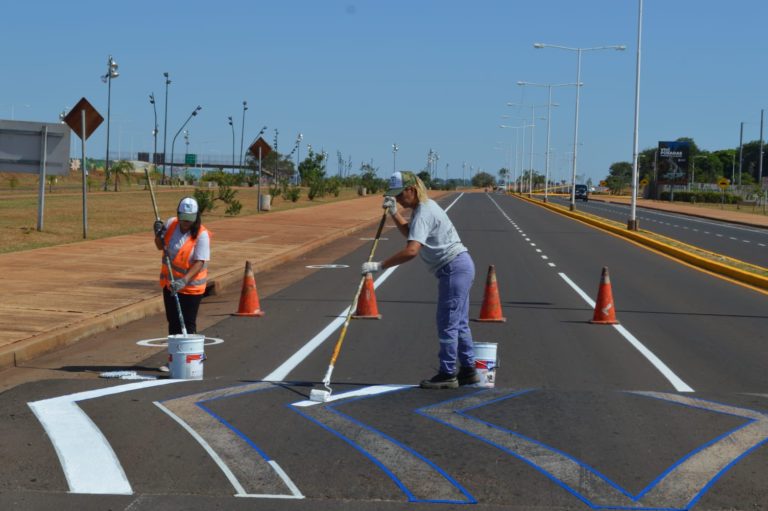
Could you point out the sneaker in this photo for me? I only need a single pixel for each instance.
(440, 381)
(163, 368)
(468, 376)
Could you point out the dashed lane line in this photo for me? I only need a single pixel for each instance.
(671, 377)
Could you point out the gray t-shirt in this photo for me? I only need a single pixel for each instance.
(202, 250)
(431, 227)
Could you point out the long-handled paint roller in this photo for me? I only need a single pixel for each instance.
(165, 254)
(324, 395)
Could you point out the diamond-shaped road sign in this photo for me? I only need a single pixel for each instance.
(260, 143)
(92, 118)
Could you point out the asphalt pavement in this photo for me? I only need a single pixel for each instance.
(665, 411)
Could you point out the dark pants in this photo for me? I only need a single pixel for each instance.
(189, 306)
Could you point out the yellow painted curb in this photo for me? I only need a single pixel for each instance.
(737, 274)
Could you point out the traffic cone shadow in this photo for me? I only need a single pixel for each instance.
(605, 311)
(367, 308)
(249, 298)
(490, 311)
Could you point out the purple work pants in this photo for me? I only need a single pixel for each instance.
(455, 281)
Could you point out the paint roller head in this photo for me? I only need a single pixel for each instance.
(321, 396)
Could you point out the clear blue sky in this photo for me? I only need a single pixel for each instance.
(358, 76)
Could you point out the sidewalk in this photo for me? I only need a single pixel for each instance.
(725, 215)
(54, 296)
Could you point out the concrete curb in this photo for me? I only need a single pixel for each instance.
(28, 349)
(736, 274)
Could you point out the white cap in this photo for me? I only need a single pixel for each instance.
(187, 209)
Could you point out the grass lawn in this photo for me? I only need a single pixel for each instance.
(109, 213)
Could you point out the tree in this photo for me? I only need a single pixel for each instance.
(312, 172)
(369, 178)
(620, 176)
(122, 168)
(483, 180)
(425, 178)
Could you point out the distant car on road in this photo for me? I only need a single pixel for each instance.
(582, 192)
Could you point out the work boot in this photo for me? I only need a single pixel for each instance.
(468, 376)
(440, 381)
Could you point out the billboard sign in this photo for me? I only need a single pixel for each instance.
(673, 163)
(22, 144)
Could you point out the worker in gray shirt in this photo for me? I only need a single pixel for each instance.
(433, 237)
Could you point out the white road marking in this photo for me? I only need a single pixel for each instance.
(365, 391)
(676, 382)
(88, 461)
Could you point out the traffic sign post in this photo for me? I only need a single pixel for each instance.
(261, 149)
(190, 160)
(723, 183)
(84, 119)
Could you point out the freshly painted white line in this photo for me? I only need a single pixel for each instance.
(552, 264)
(88, 461)
(365, 391)
(214, 456)
(676, 382)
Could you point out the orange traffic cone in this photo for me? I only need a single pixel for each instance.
(491, 308)
(605, 312)
(249, 299)
(366, 302)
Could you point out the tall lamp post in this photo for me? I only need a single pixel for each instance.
(154, 130)
(186, 142)
(549, 126)
(394, 157)
(579, 51)
(231, 124)
(514, 170)
(242, 132)
(173, 143)
(632, 221)
(165, 124)
(299, 138)
(107, 78)
(533, 129)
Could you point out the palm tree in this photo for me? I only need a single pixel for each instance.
(121, 168)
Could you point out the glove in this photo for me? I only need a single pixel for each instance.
(390, 204)
(371, 267)
(159, 228)
(177, 285)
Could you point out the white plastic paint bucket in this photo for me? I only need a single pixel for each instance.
(486, 363)
(186, 354)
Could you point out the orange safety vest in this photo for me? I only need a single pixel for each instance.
(181, 264)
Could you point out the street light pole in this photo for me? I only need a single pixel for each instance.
(549, 87)
(242, 132)
(233, 142)
(298, 153)
(173, 143)
(165, 126)
(107, 78)
(632, 222)
(578, 90)
(741, 152)
(394, 157)
(154, 131)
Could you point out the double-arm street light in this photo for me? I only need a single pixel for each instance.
(533, 129)
(173, 143)
(107, 78)
(242, 132)
(579, 51)
(231, 124)
(514, 170)
(299, 138)
(549, 125)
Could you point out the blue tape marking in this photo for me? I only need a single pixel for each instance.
(725, 469)
(411, 497)
(594, 471)
(471, 499)
(234, 430)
